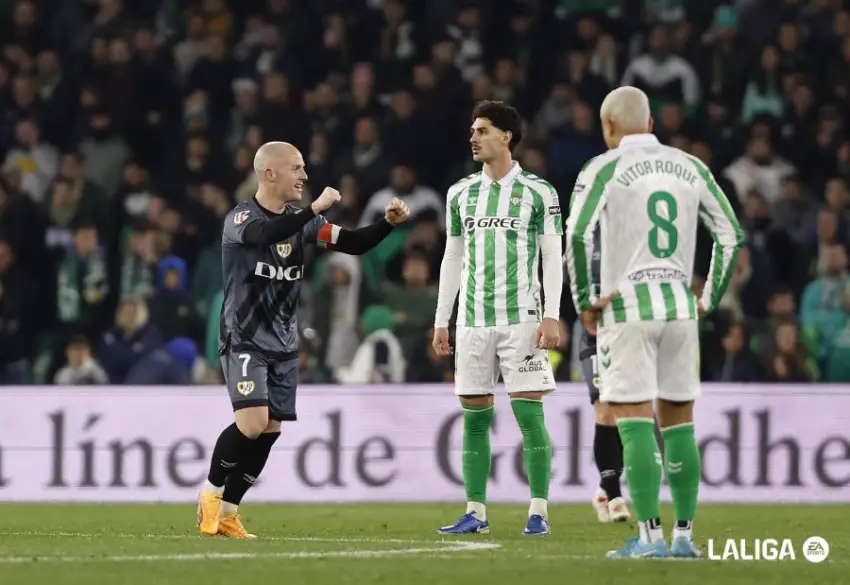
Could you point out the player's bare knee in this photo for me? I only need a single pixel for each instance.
(252, 421)
(527, 395)
(674, 413)
(272, 427)
(476, 401)
(630, 410)
(604, 415)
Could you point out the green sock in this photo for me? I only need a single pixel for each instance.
(536, 446)
(683, 469)
(643, 466)
(476, 451)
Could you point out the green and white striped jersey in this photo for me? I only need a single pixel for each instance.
(647, 199)
(501, 223)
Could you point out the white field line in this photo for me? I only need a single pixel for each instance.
(441, 547)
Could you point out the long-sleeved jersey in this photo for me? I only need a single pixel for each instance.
(647, 199)
(500, 230)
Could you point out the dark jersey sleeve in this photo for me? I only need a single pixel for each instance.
(311, 230)
(235, 225)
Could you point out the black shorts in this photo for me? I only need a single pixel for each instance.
(590, 373)
(255, 380)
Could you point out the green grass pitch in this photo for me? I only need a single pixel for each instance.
(392, 543)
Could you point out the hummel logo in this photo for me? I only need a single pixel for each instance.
(604, 349)
(674, 467)
(228, 464)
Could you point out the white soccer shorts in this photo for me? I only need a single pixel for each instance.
(639, 362)
(481, 353)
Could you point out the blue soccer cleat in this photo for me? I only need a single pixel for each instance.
(467, 524)
(684, 548)
(635, 549)
(537, 526)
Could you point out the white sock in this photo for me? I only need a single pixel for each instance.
(209, 488)
(478, 508)
(538, 507)
(227, 509)
(650, 532)
(683, 532)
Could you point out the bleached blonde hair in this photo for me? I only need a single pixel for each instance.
(627, 108)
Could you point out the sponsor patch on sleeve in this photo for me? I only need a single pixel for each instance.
(554, 210)
(240, 217)
(578, 188)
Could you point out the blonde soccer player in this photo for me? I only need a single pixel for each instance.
(647, 199)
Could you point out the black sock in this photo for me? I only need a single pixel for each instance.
(230, 449)
(250, 468)
(608, 452)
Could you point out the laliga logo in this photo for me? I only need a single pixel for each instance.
(815, 550)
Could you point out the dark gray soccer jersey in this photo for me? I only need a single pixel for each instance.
(262, 284)
(588, 341)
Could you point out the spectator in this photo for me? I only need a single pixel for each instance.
(104, 151)
(414, 303)
(244, 110)
(466, 33)
(340, 292)
(190, 50)
(128, 341)
(426, 366)
(35, 160)
(789, 362)
(171, 365)
(663, 75)
(18, 305)
(555, 111)
(760, 168)
(138, 264)
(366, 160)
(80, 368)
(83, 282)
(826, 301)
(763, 94)
(740, 363)
(172, 307)
(379, 359)
(419, 199)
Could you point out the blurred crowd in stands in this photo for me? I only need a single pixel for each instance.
(128, 128)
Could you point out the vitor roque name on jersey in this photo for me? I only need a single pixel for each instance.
(290, 273)
(492, 223)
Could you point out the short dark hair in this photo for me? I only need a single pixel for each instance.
(502, 116)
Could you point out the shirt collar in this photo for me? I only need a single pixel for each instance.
(638, 140)
(486, 181)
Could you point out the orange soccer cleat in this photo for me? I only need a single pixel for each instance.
(208, 520)
(231, 527)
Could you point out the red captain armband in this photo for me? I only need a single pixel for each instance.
(328, 235)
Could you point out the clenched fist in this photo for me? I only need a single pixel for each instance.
(326, 200)
(396, 211)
